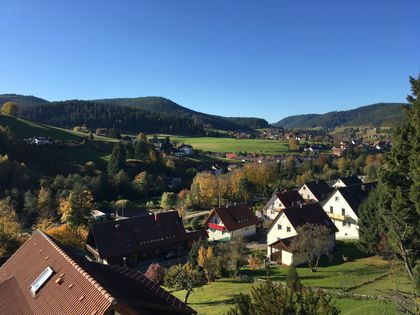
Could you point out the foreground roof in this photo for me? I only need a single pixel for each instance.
(75, 286)
(234, 217)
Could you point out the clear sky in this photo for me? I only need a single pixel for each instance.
(228, 57)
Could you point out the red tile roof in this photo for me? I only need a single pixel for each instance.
(76, 286)
(234, 217)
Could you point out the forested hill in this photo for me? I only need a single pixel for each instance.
(148, 114)
(381, 114)
(160, 104)
(22, 100)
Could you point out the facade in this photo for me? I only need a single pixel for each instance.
(138, 239)
(283, 229)
(185, 149)
(44, 277)
(226, 223)
(343, 207)
(315, 191)
(281, 201)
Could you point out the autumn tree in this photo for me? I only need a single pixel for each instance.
(156, 273)
(10, 231)
(68, 235)
(293, 144)
(10, 108)
(207, 261)
(168, 200)
(237, 255)
(310, 243)
(142, 183)
(75, 209)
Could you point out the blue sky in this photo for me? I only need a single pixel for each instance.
(261, 58)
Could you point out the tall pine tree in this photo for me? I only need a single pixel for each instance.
(117, 160)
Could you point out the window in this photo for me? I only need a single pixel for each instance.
(331, 209)
(308, 197)
(304, 187)
(349, 224)
(279, 226)
(344, 223)
(343, 211)
(337, 198)
(40, 281)
(288, 229)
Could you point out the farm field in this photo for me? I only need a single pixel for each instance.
(235, 145)
(371, 276)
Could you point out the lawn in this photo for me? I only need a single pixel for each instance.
(361, 274)
(235, 145)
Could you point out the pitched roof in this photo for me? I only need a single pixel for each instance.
(356, 194)
(351, 180)
(116, 238)
(320, 189)
(76, 286)
(234, 217)
(290, 198)
(311, 213)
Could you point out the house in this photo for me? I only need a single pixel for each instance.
(283, 229)
(44, 277)
(138, 239)
(39, 141)
(228, 222)
(315, 191)
(343, 207)
(347, 181)
(98, 216)
(281, 200)
(185, 149)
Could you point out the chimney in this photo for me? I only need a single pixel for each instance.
(157, 217)
(234, 204)
(300, 205)
(363, 187)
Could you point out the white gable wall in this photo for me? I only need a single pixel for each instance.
(339, 184)
(280, 229)
(346, 224)
(306, 193)
(274, 209)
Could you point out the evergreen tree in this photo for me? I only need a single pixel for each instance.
(117, 160)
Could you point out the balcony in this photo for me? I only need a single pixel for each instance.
(216, 227)
(336, 216)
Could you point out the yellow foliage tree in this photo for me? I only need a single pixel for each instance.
(67, 235)
(10, 108)
(10, 231)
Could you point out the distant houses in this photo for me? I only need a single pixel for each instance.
(228, 222)
(343, 205)
(284, 227)
(138, 239)
(44, 277)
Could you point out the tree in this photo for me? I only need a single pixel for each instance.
(237, 255)
(67, 235)
(156, 273)
(293, 281)
(270, 298)
(75, 209)
(310, 243)
(10, 108)
(168, 200)
(293, 144)
(184, 277)
(398, 201)
(117, 160)
(207, 261)
(142, 183)
(10, 230)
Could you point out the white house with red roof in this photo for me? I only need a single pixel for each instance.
(226, 223)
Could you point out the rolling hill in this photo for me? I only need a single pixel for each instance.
(381, 114)
(152, 114)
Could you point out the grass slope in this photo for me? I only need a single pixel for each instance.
(235, 145)
(360, 275)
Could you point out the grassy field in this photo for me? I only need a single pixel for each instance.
(235, 145)
(371, 276)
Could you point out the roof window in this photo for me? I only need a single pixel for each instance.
(41, 280)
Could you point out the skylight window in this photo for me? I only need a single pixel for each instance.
(41, 280)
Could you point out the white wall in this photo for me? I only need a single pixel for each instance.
(275, 233)
(306, 193)
(350, 229)
(339, 184)
(244, 232)
(286, 258)
(273, 208)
